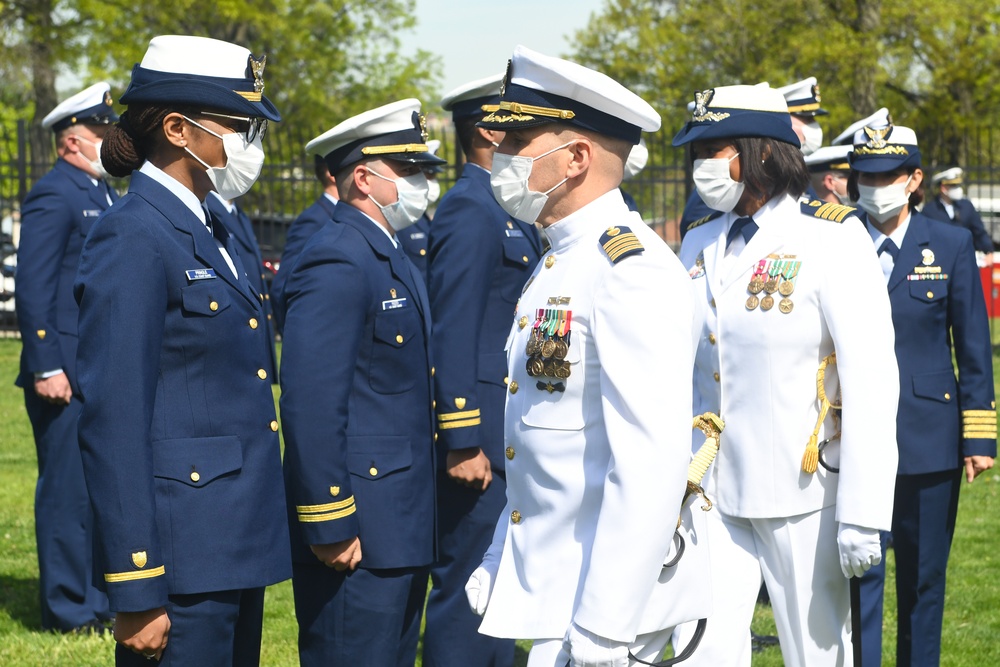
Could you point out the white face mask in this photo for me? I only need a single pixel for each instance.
(956, 193)
(509, 181)
(244, 160)
(881, 203)
(714, 184)
(433, 190)
(96, 163)
(411, 200)
(812, 137)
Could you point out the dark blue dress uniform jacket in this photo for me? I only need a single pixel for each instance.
(299, 232)
(178, 429)
(239, 225)
(414, 240)
(356, 397)
(966, 216)
(478, 266)
(60, 210)
(939, 419)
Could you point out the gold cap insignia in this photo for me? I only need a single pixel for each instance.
(928, 256)
(334, 491)
(701, 101)
(139, 559)
(815, 91)
(506, 78)
(107, 97)
(422, 120)
(459, 402)
(878, 138)
(257, 69)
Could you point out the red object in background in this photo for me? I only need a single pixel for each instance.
(990, 275)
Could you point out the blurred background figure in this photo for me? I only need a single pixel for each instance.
(951, 204)
(57, 214)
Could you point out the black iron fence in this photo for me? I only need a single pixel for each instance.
(288, 184)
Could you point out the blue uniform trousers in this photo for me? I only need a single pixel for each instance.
(466, 521)
(218, 629)
(63, 519)
(923, 524)
(364, 617)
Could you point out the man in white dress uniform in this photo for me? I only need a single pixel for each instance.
(598, 416)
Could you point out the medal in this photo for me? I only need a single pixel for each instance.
(771, 285)
(549, 369)
(548, 348)
(786, 287)
(752, 302)
(757, 281)
(767, 302)
(562, 349)
(785, 305)
(562, 371)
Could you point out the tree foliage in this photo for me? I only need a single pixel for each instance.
(932, 64)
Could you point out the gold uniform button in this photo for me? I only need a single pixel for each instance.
(373, 471)
(41, 334)
(399, 338)
(711, 338)
(261, 295)
(513, 386)
(423, 251)
(274, 425)
(510, 453)
(712, 302)
(716, 376)
(515, 517)
(524, 258)
(523, 322)
(506, 380)
(269, 316)
(267, 297)
(262, 374)
(432, 371)
(435, 437)
(549, 261)
(947, 396)
(213, 306)
(195, 477)
(434, 405)
(253, 322)
(930, 295)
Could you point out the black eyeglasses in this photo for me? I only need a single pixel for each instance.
(250, 127)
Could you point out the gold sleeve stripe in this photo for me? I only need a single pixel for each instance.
(979, 420)
(979, 413)
(834, 212)
(460, 424)
(329, 516)
(310, 509)
(981, 428)
(452, 416)
(979, 436)
(118, 577)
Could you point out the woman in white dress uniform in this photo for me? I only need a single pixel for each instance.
(780, 287)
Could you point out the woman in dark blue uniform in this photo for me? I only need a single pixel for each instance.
(944, 427)
(178, 430)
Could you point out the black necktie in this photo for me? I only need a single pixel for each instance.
(745, 226)
(889, 247)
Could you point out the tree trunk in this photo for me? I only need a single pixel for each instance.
(863, 96)
(40, 36)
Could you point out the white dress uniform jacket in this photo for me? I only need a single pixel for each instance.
(765, 363)
(595, 472)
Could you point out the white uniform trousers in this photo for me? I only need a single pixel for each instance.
(550, 653)
(809, 594)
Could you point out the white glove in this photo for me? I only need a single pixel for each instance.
(860, 549)
(479, 587)
(589, 650)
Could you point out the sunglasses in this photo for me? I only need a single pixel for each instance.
(249, 126)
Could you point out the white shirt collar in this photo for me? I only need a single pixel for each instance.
(896, 236)
(187, 197)
(333, 200)
(392, 237)
(230, 206)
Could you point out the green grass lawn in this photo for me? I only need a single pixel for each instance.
(972, 612)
